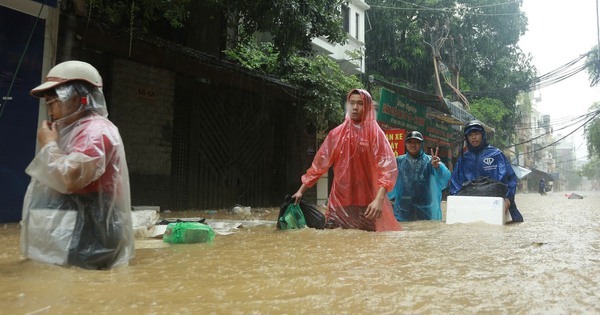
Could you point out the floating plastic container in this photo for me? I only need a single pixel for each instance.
(188, 233)
(468, 209)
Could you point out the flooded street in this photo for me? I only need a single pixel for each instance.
(548, 264)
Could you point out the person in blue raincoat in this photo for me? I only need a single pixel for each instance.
(542, 188)
(421, 178)
(483, 159)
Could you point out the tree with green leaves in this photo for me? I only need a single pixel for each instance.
(133, 14)
(291, 24)
(592, 133)
(481, 41)
(593, 66)
(591, 170)
(324, 85)
(288, 25)
(493, 113)
(478, 49)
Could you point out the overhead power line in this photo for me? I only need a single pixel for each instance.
(557, 141)
(455, 10)
(559, 74)
(555, 124)
(542, 135)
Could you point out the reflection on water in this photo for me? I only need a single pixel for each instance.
(548, 264)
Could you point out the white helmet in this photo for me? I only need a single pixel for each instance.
(68, 71)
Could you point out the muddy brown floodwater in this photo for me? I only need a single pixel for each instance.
(548, 264)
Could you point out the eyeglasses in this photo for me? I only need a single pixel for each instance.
(48, 103)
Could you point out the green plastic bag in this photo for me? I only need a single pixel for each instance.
(188, 232)
(292, 218)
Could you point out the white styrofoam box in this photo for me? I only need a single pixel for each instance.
(467, 209)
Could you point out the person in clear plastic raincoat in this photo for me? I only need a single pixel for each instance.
(482, 159)
(421, 178)
(364, 168)
(77, 208)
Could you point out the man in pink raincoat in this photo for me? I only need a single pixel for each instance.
(364, 168)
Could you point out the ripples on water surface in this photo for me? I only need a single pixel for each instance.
(548, 264)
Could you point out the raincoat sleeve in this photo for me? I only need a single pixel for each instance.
(457, 178)
(387, 167)
(392, 195)
(67, 173)
(442, 176)
(323, 159)
(506, 174)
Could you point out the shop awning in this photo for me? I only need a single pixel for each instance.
(439, 108)
(458, 116)
(520, 171)
(431, 101)
(455, 114)
(543, 174)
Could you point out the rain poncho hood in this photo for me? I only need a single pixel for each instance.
(82, 220)
(484, 142)
(363, 161)
(94, 98)
(418, 191)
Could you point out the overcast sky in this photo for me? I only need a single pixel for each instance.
(558, 32)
